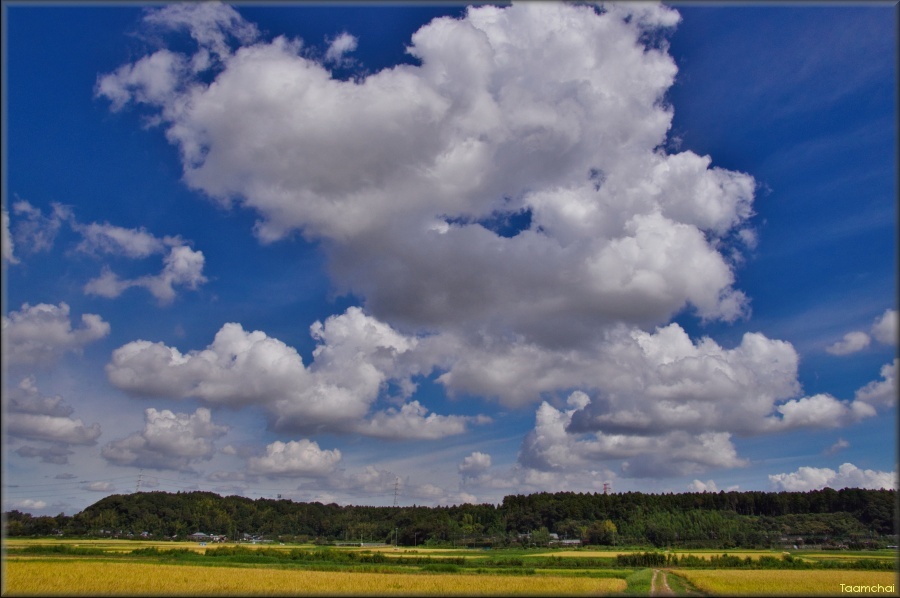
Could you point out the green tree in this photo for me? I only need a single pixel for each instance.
(602, 532)
(541, 537)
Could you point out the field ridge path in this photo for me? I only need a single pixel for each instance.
(655, 589)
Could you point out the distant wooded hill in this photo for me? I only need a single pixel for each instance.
(853, 518)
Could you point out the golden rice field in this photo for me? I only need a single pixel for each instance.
(737, 582)
(81, 578)
(820, 555)
(111, 546)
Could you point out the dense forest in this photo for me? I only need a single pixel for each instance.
(851, 518)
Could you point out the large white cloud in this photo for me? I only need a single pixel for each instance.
(508, 215)
(355, 358)
(552, 447)
(661, 404)
(504, 115)
(168, 441)
(847, 476)
(821, 411)
(40, 334)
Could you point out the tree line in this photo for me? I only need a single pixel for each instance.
(851, 517)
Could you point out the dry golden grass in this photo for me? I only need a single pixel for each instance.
(84, 578)
(785, 583)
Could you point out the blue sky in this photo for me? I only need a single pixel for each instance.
(329, 251)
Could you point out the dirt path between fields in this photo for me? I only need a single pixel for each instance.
(661, 587)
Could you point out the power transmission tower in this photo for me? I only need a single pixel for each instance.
(140, 479)
(396, 489)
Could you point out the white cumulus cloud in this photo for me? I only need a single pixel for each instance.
(297, 458)
(851, 343)
(475, 464)
(168, 441)
(355, 358)
(885, 328)
(507, 215)
(182, 265)
(822, 411)
(847, 476)
(339, 46)
(411, 422)
(700, 486)
(40, 334)
(29, 415)
(881, 393)
(503, 116)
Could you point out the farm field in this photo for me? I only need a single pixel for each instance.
(804, 554)
(144, 567)
(84, 578)
(783, 583)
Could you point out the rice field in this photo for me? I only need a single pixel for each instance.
(82, 578)
(736, 582)
(811, 555)
(111, 546)
(105, 567)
